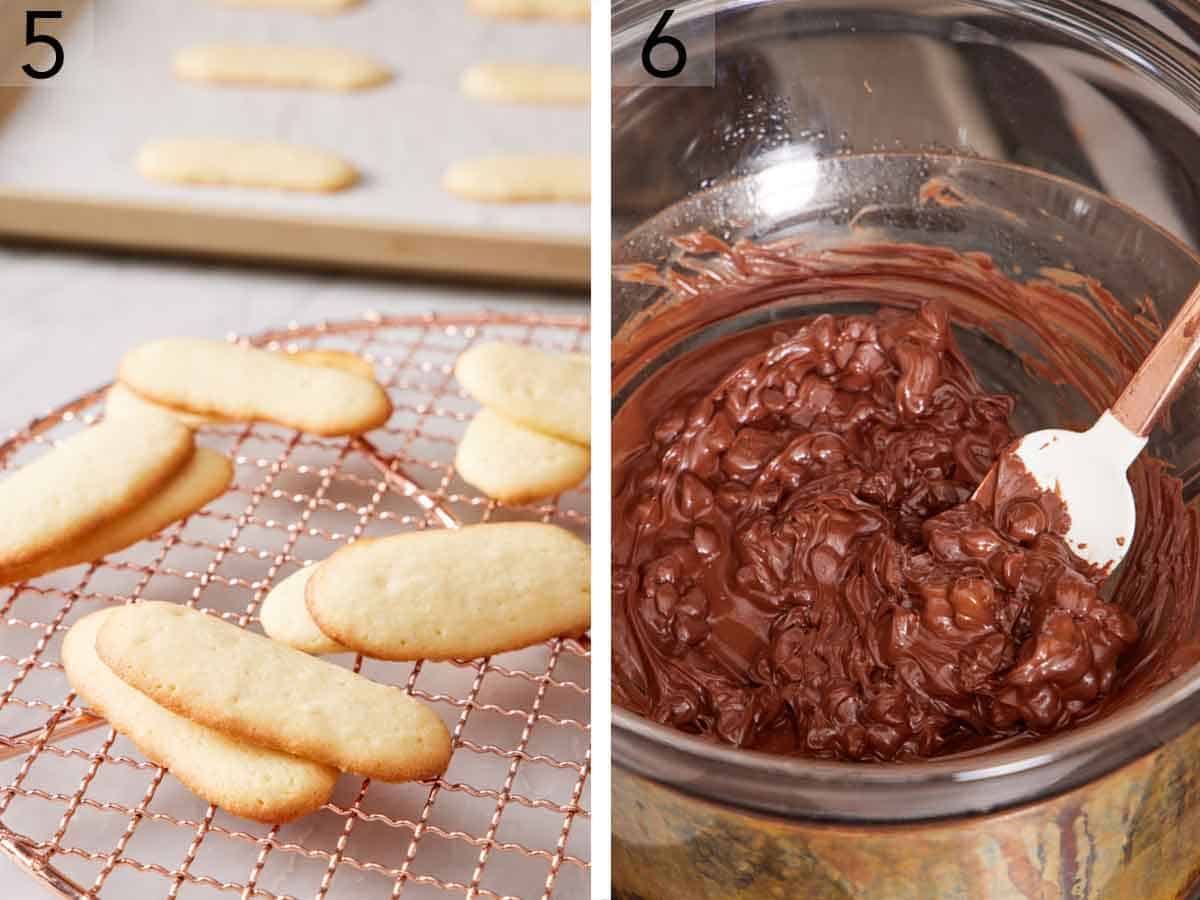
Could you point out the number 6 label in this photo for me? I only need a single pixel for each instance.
(667, 47)
(657, 39)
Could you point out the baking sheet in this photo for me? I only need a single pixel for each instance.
(78, 139)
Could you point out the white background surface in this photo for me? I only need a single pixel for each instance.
(65, 318)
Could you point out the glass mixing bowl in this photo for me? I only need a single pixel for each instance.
(1070, 131)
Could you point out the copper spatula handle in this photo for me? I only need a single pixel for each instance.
(1163, 372)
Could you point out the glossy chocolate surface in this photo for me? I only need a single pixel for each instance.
(799, 568)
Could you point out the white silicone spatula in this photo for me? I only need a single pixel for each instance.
(1087, 469)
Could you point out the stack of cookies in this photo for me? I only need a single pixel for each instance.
(532, 438)
(245, 722)
(200, 381)
(102, 490)
(139, 470)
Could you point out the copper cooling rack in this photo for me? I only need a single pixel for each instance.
(82, 811)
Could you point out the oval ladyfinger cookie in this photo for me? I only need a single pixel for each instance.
(548, 392)
(454, 594)
(90, 479)
(516, 464)
(244, 779)
(564, 10)
(203, 478)
(285, 617)
(324, 7)
(259, 690)
(244, 383)
(262, 164)
(536, 83)
(322, 68)
(521, 179)
(122, 400)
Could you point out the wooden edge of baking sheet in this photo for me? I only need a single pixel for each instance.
(322, 243)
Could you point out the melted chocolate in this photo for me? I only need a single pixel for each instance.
(799, 566)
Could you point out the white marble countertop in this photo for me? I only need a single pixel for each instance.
(66, 318)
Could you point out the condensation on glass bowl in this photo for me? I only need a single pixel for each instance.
(1031, 224)
(1106, 97)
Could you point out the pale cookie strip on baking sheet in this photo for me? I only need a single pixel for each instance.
(241, 778)
(247, 384)
(528, 83)
(516, 464)
(285, 617)
(454, 594)
(324, 7)
(202, 479)
(564, 10)
(301, 67)
(262, 691)
(91, 479)
(548, 392)
(122, 400)
(521, 179)
(281, 167)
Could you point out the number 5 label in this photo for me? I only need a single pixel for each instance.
(671, 46)
(32, 37)
(46, 42)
